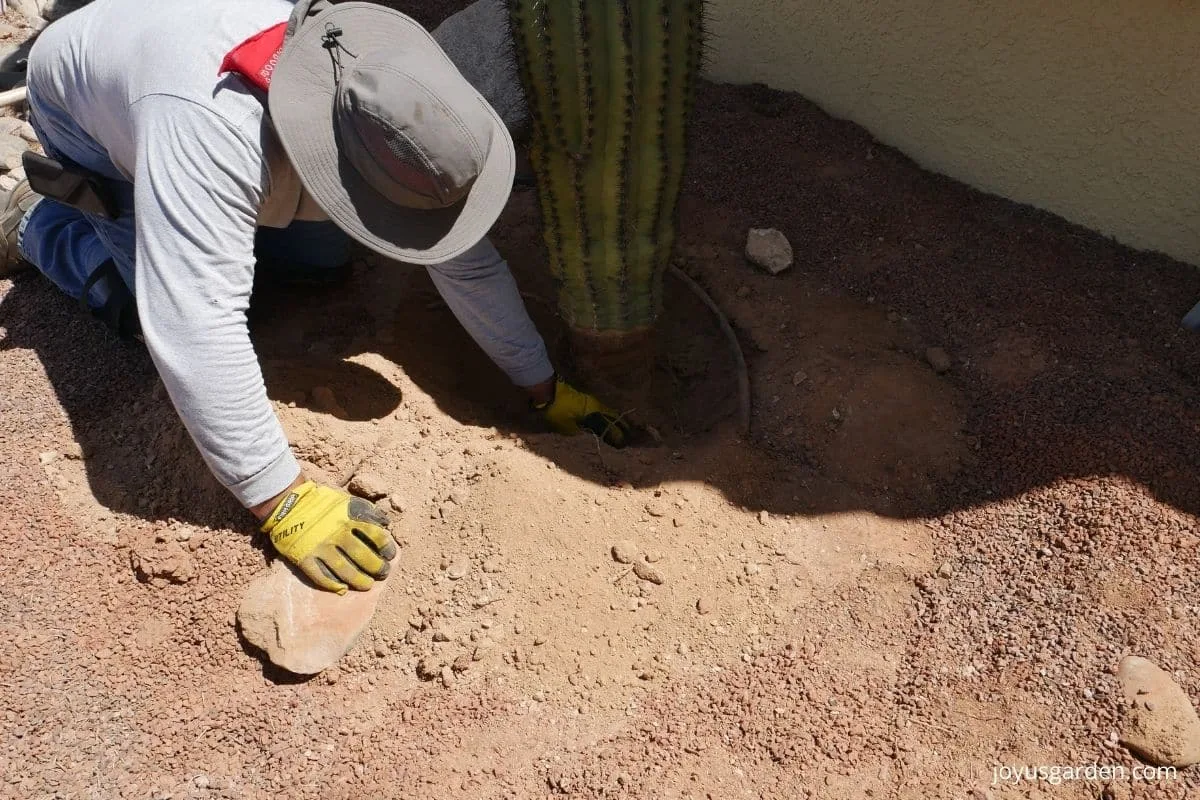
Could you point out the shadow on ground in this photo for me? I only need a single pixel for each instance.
(1065, 354)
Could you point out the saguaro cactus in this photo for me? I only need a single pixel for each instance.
(610, 86)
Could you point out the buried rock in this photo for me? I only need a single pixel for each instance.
(162, 563)
(299, 627)
(1160, 724)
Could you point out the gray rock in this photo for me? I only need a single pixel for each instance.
(1160, 724)
(458, 569)
(478, 42)
(301, 628)
(769, 249)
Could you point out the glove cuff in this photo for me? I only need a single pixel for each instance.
(284, 506)
(553, 396)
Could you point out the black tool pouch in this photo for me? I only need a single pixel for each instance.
(69, 184)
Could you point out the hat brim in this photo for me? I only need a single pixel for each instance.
(301, 102)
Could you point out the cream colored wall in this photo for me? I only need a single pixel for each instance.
(1087, 108)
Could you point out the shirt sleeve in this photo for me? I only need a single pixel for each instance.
(198, 184)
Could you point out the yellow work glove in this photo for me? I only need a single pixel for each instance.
(572, 411)
(337, 540)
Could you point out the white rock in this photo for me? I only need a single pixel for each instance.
(769, 249)
(1160, 724)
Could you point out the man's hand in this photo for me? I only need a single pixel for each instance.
(570, 411)
(337, 540)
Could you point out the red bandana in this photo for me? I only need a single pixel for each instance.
(255, 58)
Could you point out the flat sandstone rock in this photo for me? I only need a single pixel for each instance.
(1160, 724)
(301, 628)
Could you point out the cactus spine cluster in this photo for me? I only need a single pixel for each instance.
(610, 86)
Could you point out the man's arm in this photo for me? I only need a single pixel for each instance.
(197, 186)
(481, 291)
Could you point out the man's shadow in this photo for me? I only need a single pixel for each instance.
(138, 457)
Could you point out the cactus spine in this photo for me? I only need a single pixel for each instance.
(610, 85)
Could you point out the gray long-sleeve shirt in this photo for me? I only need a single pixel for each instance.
(138, 83)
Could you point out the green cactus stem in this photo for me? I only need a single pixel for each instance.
(610, 86)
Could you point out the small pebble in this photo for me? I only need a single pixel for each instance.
(368, 485)
(769, 249)
(648, 573)
(763, 517)
(624, 552)
(705, 605)
(458, 569)
(939, 359)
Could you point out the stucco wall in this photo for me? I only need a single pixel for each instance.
(1090, 109)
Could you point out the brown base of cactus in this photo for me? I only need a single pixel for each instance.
(616, 365)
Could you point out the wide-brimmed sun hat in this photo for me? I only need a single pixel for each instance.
(386, 135)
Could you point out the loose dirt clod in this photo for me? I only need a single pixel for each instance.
(428, 669)
(325, 400)
(648, 572)
(624, 552)
(938, 359)
(163, 563)
(368, 485)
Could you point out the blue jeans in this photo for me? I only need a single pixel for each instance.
(68, 245)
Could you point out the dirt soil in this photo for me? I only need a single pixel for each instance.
(900, 579)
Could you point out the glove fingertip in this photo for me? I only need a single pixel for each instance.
(324, 578)
(361, 510)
